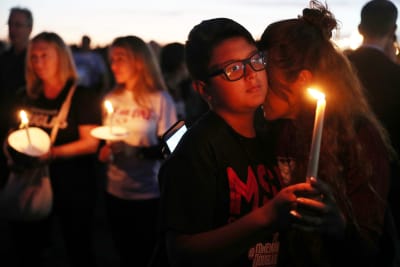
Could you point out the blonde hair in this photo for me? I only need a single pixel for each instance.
(146, 66)
(66, 65)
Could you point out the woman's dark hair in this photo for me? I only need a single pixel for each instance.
(300, 43)
(304, 43)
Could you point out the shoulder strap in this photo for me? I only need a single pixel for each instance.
(62, 115)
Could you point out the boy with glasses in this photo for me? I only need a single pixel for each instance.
(221, 201)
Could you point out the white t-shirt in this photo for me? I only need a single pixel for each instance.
(130, 177)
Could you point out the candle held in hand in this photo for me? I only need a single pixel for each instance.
(25, 124)
(312, 169)
(110, 112)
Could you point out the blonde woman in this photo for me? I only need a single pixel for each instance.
(50, 75)
(141, 105)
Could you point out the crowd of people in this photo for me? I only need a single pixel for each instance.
(236, 190)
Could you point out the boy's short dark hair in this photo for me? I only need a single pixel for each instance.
(378, 18)
(204, 37)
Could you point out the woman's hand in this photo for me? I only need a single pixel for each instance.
(282, 208)
(47, 157)
(319, 212)
(105, 154)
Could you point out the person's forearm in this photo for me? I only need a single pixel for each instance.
(76, 148)
(222, 246)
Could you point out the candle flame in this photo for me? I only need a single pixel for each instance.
(24, 118)
(108, 106)
(316, 94)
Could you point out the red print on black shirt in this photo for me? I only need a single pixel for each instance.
(249, 191)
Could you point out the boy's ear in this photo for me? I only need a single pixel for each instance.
(360, 29)
(201, 88)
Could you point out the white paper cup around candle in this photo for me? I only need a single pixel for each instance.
(103, 132)
(39, 145)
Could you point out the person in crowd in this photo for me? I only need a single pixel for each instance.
(3, 46)
(380, 76)
(141, 105)
(12, 61)
(50, 75)
(12, 70)
(190, 106)
(222, 203)
(155, 47)
(355, 151)
(92, 69)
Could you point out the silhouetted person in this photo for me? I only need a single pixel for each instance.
(3, 47)
(380, 75)
(189, 104)
(92, 69)
(12, 70)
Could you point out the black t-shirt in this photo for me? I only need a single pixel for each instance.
(75, 174)
(85, 109)
(380, 78)
(214, 177)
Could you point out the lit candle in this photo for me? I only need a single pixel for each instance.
(25, 124)
(110, 112)
(312, 169)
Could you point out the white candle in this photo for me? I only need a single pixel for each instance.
(110, 113)
(25, 124)
(312, 169)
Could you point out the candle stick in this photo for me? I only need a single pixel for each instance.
(110, 112)
(312, 169)
(25, 124)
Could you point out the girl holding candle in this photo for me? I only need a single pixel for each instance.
(355, 150)
(141, 105)
(50, 74)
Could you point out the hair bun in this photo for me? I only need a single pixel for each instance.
(319, 16)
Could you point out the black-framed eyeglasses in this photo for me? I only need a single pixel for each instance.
(236, 70)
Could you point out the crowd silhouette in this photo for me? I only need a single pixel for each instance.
(123, 202)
